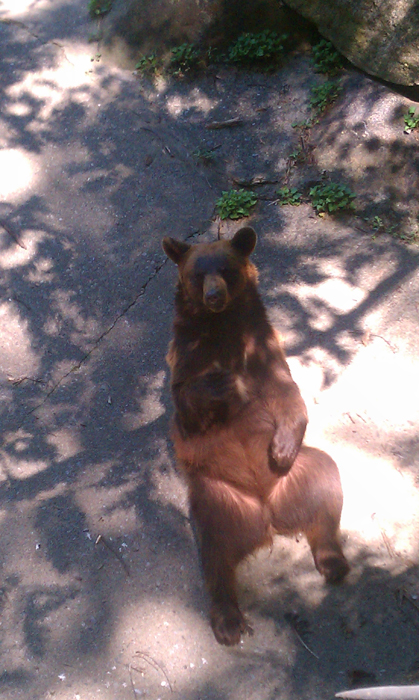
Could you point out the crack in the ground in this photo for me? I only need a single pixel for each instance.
(22, 25)
(106, 332)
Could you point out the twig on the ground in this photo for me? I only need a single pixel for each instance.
(390, 345)
(389, 547)
(12, 234)
(293, 627)
(255, 182)
(349, 416)
(154, 664)
(228, 123)
(132, 682)
(17, 382)
(305, 645)
(116, 554)
(402, 595)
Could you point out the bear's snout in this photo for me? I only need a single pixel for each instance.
(215, 294)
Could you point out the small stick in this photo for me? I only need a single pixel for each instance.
(132, 682)
(17, 382)
(255, 182)
(349, 416)
(154, 664)
(116, 554)
(305, 645)
(390, 345)
(301, 640)
(12, 234)
(236, 121)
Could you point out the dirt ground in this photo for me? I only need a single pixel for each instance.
(101, 592)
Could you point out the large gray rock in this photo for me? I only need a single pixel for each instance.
(379, 36)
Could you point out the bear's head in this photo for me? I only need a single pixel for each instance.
(211, 275)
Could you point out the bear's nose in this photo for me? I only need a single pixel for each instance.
(215, 293)
(212, 296)
(215, 300)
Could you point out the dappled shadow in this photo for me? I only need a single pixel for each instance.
(39, 604)
(364, 633)
(297, 265)
(95, 531)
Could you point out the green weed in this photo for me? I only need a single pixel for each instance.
(215, 55)
(289, 195)
(305, 125)
(323, 95)
(379, 226)
(331, 197)
(407, 237)
(205, 155)
(184, 58)
(148, 64)
(326, 58)
(235, 204)
(411, 120)
(263, 49)
(98, 8)
(298, 155)
(376, 223)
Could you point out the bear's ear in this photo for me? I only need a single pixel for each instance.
(175, 250)
(244, 240)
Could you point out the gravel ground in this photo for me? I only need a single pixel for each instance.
(101, 593)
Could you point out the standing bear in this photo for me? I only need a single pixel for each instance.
(238, 426)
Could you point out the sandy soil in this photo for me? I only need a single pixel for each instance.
(101, 593)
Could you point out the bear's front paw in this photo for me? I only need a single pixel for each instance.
(220, 384)
(285, 445)
(228, 624)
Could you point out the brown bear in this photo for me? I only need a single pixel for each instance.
(238, 426)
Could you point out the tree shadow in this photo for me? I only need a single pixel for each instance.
(84, 394)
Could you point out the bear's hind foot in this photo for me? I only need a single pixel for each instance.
(332, 565)
(228, 624)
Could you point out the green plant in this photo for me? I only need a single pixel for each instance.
(215, 55)
(297, 155)
(331, 197)
(205, 155)
(289, 195)
(377, 223)
(411, 120)
(305, 125)
(323, 95)
(264, 48)
(147, 64)
(184, 58)
(302, 152)
(326, 58)
(379, 226)
(407, 237)
(235, 204)
(98, 8)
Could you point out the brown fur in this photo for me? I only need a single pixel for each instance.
(238, 426)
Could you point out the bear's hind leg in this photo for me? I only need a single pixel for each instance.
(309, 499)
(230, 525)
(323, 538)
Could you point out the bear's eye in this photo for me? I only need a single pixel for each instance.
(230, 275)
(198, 279)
